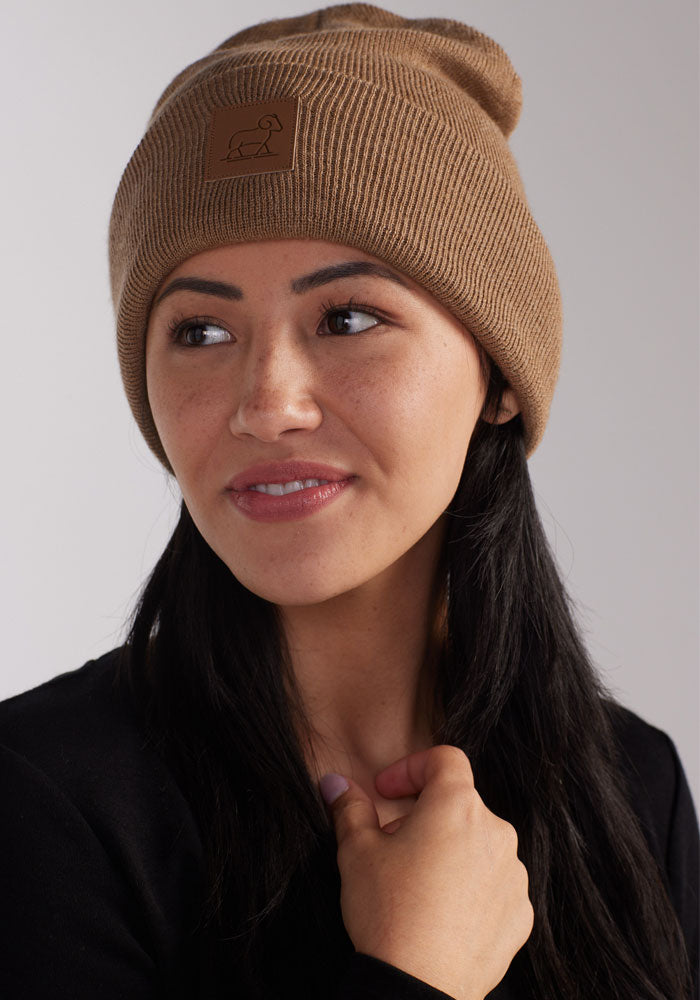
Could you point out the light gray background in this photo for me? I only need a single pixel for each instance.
(608, 149)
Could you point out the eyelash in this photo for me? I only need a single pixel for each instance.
(180, 323)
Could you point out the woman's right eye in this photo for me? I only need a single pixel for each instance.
(198, 333)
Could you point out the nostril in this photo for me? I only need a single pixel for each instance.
(268, 414)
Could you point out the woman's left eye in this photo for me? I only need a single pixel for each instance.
(198, 333)
(341, 321)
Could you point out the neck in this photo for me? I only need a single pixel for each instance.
(364, 665)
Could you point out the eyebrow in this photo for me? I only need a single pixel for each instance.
(224, 290)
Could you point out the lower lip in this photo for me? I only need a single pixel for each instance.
(290, 506)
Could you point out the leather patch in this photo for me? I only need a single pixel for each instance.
(254, 138)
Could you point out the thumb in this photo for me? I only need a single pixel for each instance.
(351, 808)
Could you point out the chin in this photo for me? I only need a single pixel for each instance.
(294, 592)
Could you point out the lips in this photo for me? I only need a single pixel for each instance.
(286, 472)
(301, 503)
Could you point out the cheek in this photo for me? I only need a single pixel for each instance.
(188, 414)
(418, 414)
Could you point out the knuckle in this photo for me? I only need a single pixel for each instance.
(528, 920)
(510, 836)
(453, 762)
(450, 753)
(353, 836)
(522, 883)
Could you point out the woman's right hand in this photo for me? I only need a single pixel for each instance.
(439, 893)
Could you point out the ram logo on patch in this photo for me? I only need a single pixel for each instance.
(254, 138)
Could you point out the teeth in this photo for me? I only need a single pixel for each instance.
(279, 489)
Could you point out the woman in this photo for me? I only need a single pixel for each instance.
(339, 328)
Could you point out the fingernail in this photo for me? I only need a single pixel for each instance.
(332, 785)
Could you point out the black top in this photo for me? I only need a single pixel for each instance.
(101, 864)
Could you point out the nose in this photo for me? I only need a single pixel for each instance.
(276, 392)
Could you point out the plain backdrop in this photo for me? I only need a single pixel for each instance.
(607, 145)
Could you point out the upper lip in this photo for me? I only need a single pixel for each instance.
(285, 472)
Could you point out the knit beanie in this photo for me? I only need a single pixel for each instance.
(354, 125)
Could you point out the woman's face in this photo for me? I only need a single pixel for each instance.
(263, 373)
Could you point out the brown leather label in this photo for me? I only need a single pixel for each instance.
(254, 138)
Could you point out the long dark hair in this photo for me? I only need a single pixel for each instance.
(206, 664)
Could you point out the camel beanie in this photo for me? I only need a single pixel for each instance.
(354, 125)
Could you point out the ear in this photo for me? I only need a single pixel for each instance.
(508, 409)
